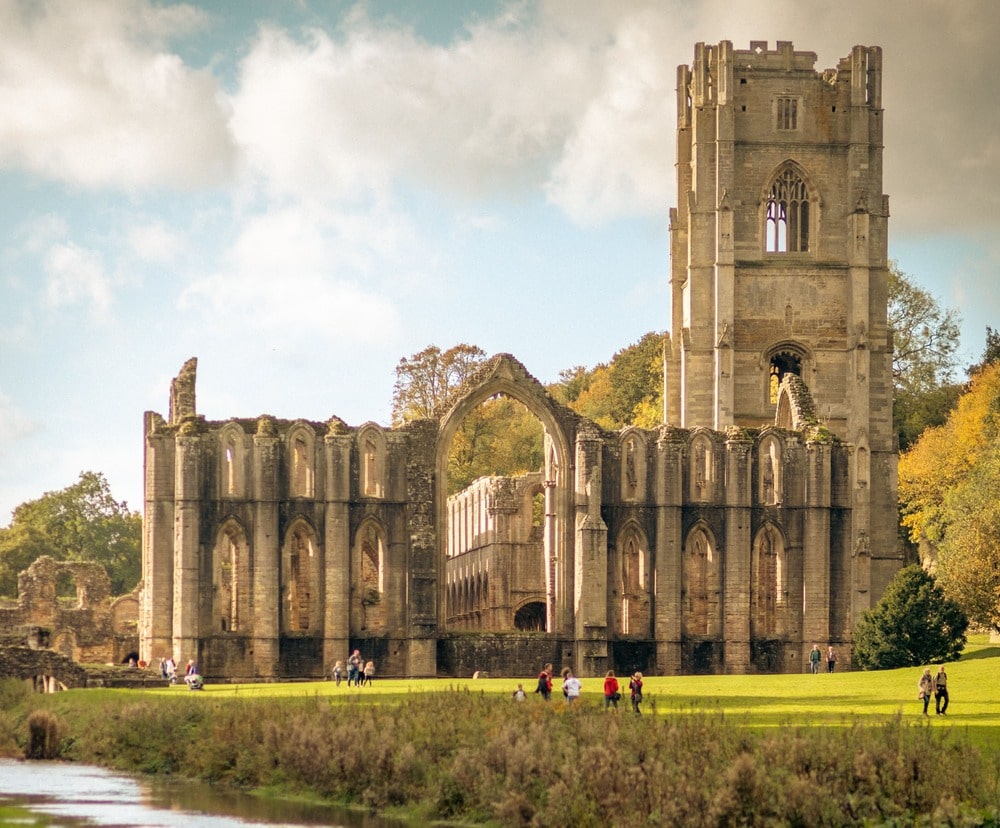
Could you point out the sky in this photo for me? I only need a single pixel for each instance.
(300, 193)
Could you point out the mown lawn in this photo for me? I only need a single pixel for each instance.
(759, 700)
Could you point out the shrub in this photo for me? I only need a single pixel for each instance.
(44, 735)
(914, 623)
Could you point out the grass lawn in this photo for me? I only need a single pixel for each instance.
(839, 698)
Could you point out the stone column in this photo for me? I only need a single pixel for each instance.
(669, 496)
(590, 574)
(816, 547)
(337, 543)
(736, 555)
(266, 549)
(156, 612)
(187, 504)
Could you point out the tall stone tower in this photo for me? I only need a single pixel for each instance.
(779, 263)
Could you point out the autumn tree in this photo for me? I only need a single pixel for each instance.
(628, 390)
(425, 380)
(925, 355)
(500, 436)
(947, 485)
(82, 522)
(913, 623)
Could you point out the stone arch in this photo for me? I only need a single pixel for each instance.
(231, 579)
(795, 409)
(770, 465)
(768, 584)
(701, 466)
(371, 454)
(64, 642)
(634, 581)
(301, 577)
(786, 357)
(505, 375)
(790, 207)
(232, 461)
(529, 616)
(369, 607)
(632, 445)
(701, 584)
(300, 450)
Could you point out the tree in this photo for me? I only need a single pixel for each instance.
(991, 353)
(82, 522)
(925, 344)
(914, 623)
(428, 378)
(626, 391)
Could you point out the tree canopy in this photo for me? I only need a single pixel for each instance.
(425, 380)
(925, 357)
(947, 489)
(82, 522)
(913, 623)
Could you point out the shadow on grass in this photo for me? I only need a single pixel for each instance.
(985, 652)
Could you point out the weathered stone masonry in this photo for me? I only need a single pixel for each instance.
(760, 522)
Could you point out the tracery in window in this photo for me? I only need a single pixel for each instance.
(787, 111)
(787, 221)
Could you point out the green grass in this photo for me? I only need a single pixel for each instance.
(760, 700)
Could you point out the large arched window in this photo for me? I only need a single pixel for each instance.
(700, 596)
(300, 574)
(231, 580)
(768, 585)
(787, 218)
(782, 362)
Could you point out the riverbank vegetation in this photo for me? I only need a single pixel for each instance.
(708, 750)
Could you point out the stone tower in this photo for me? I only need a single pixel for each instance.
(779, 263)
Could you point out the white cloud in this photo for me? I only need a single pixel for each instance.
(306, 273)
(75, 275)
(14, 424)
(153, 241)
(88, 96)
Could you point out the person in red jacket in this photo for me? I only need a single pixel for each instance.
(611, 694)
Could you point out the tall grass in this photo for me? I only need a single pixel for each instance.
(838, 749)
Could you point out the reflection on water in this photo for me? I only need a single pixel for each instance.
(73, 795)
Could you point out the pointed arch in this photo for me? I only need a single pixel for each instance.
(634, 581)
(369, 607)
(372, 454)
(790, 206)
(701, 590)
(231, 568)
(784, 358)
(504, 375)
(632, 445)
(701, 463)
(768, 584)
(770, 477)
(301, 462)
(301, 572)
(232, 461)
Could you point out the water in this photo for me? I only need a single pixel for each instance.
(80, 795)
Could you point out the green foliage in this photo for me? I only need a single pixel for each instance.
(626, 391)
(925, 345)
(913, 623)
(991, 352)
(426, 380)
(82, 522)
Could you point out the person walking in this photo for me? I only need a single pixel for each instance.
(925, 688)
(545, 682)
(571, 686)
(611, 694)
(369, 673)
(338, 672)
(831, 659)
(635, 689)
(941, 692)
(814, 658)
(354, 669)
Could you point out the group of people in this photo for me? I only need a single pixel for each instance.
(359, 672)
(192, 678)
(816, 656)
(572, 688)
(936, 686)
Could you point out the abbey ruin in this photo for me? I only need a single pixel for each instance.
(758, 520)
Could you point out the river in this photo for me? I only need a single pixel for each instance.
(80, 795)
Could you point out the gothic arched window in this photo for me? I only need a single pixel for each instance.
(787, 219)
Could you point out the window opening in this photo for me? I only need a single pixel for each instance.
(781, 364)
(787, 229)
(788, 113)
